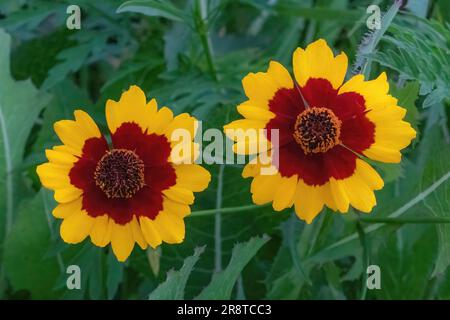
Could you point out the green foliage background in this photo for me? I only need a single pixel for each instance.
(191, 55)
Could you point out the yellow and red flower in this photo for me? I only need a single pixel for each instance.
(325, 129)
(130, 191)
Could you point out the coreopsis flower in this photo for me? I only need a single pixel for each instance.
(326, 129)
(131, 190)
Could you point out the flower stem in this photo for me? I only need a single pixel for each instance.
(365, 257)
(403, 220)
(218, 222)
(209, 212)
(202, 30)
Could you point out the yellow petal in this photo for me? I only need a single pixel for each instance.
(285, 194)
(86, 124)
(318, 61)
(150, 233)
(251, 170)
(122, 241)
(262, 188)
(137, 233)
(64, 210)
(54, 176)
(339, 193)
(182, 122)
(261, 87)
(60, 157)
(280, 75)
(74, 133)
(132, 107)
(192, 176)
(369, 175)
(243, 124)
(180, 195)
(76, 227)
(67, 194)
(170, 227)
(308, 201)
(102, 230)
(254, 112)
(160, 121)
(175, 207)
(328, 197)
(383, 154)
(359, 194)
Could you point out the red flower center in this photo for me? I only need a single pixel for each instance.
(120, 173)
(317, 130)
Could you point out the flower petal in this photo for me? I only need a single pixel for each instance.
(318, 61)
(76, 227)
(192, 177)
(285, 194)
(131, 107)
(150, 233)
(170, 227)
(122, 241)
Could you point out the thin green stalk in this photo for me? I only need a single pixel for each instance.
(218, 222)
(404, 220)
(202, 30)
(365, 257)
(209, 212)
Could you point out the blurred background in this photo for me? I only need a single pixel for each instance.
(191, 56)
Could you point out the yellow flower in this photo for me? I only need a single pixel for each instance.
(130, 191)
(324, 128)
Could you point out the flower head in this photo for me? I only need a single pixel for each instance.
(131, 191)
(325, 128)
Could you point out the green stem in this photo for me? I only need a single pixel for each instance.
(218, 222)
(365, 257)
(202, 30)
(210, 212)
(403, 220)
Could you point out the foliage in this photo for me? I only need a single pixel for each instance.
(192, 55)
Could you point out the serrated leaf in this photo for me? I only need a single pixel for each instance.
(435, 97)
(174, 286)
(72, 59)
(153, 8)
(222, 283)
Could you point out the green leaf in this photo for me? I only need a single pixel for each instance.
(25, 248)
(435, 97)
(418, 49)
(72, 60)
(222, 283)
(20, 105)
(114, 275)
(406, 260)
(437, 204)
(153, 8)
(174, 286)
